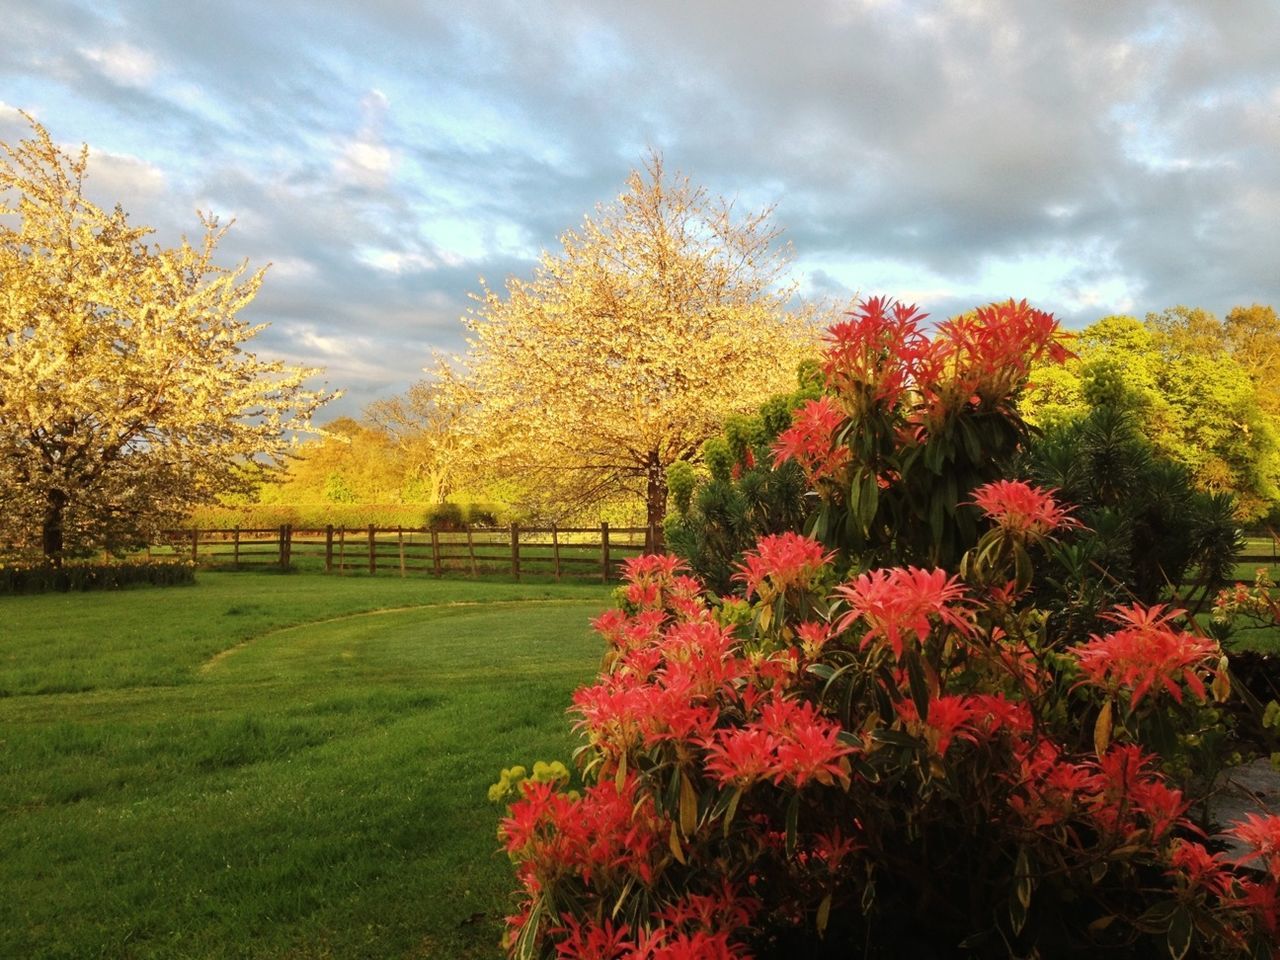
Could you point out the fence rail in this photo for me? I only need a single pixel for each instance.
(575, 552)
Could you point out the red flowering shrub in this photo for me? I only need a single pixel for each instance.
(910, 424)
(903, 761)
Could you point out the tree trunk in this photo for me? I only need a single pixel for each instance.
(52, 526)
(656, 502)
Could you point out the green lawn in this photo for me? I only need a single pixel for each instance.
(273, 766)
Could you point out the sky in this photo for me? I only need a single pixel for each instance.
(1093, 156)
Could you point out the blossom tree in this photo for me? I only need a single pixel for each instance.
(126, 391)
(662, 315)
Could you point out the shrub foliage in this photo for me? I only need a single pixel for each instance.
(25, 577)
(884, 747)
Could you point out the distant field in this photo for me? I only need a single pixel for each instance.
(273, 765)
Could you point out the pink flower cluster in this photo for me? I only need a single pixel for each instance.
(903, 604)
(781, 562)
(1022, 509)
(1147, 653)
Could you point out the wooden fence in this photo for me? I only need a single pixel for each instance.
(559, 552)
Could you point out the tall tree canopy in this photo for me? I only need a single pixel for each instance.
(126, 393)
(1199, 391)
(661, 316)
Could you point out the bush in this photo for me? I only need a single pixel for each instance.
(861, 757)
(23, 577)
(739, 496)
(1146, 529)
(904, 761)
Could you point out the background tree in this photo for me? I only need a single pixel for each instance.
(352, 463)
(1252, 336)
(126, 394)
(425, 430)
(660, 317)
(1190, 392)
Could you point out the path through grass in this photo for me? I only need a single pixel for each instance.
(183, 774)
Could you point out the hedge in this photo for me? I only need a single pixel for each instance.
(38, 577)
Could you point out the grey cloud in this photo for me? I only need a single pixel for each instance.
(1136, 141)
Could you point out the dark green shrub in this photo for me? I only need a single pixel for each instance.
(27, 577)
(1148, 532)
(739, 495)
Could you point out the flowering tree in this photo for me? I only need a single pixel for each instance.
(899, 760)
(126, 391)
(661, 316)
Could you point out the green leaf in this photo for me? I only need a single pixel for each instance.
(732, 810)
(1025, 881)
(855, 494)
(972, 446)
(869, 501)
(793, 820)
(673, 844)
(1179, 937)
(1022, 567)
(919, 688)
(824, 914)
(688, 805)
(937, 518)
(898, 738)
(1102, 729)
(1017, 915)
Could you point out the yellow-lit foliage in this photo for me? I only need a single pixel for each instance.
(662, 315)
(424, 428)
(126, 392)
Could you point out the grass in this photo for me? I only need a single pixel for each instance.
(273, 766)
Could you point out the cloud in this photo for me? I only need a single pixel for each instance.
(122, 63)
(365, 159)
(386, 153)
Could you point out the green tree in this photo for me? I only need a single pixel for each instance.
(1253, 338)
(1193, 399)
(352, 463)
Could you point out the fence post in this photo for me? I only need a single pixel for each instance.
(236, 548)
(604, 551)
(373, 551)
(328, 548)
(555, 550)
(400, 542)
(435, 552)
(471, 552)
(515, 550)
(195, 546)
(283, 560)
